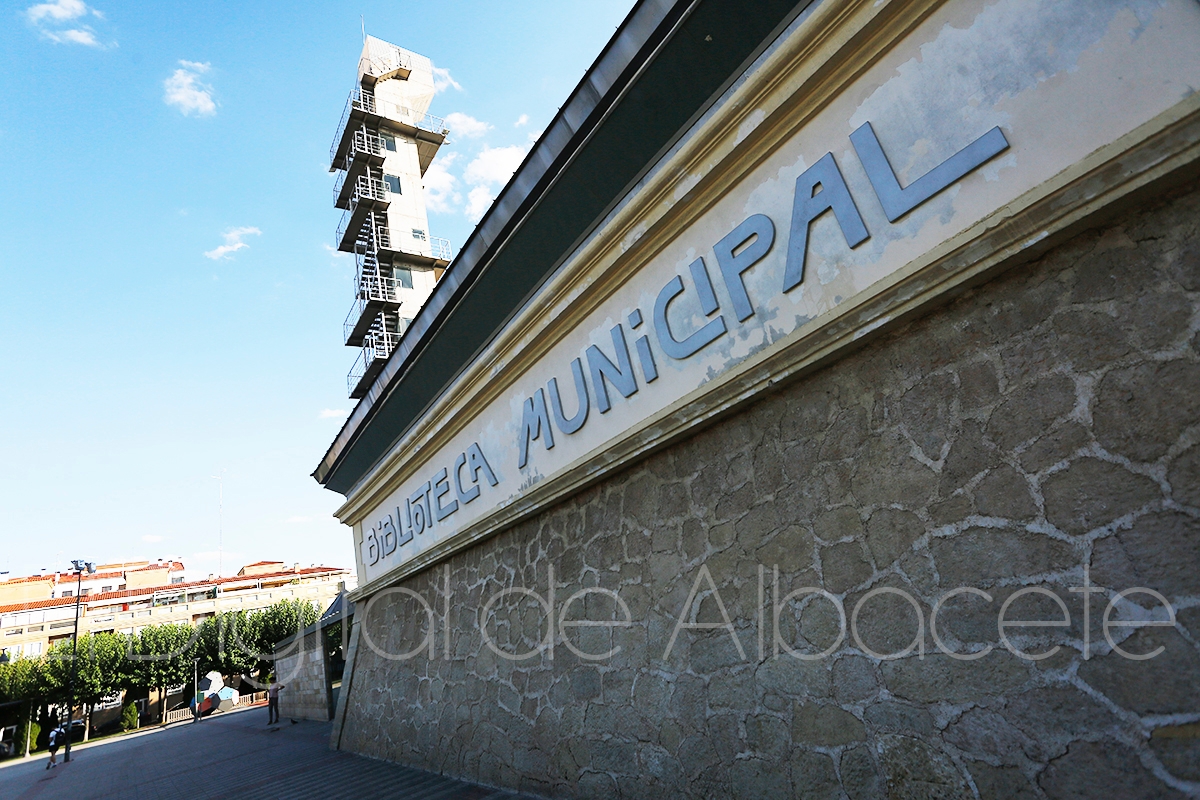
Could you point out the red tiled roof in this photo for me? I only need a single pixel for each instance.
(262, 563)
(150, 590)
(29, 579)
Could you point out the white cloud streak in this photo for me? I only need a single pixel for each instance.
(494, 165)
(466, 126)
(521, 120)
(443, 81)
(47, 15)
(479, 200)
(185, 91)
(233, 242)
(441, 188)
(332, 413)
(58, 11)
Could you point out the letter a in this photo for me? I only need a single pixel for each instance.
(806, 207)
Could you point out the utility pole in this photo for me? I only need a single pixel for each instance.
(195, 690)
(79, 566)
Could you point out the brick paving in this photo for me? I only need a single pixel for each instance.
(232, 755)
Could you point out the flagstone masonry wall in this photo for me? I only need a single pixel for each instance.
(1044, 423)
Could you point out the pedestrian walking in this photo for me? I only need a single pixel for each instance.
(58, 737)
(273, 701)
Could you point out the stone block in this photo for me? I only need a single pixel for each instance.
(1004, 493)
(1001, 783)
(890, 532)
(1141, 410)
(1184, 477)
(891, 716)
(813, 776)
(979, 557)
(825, 725)
(1165, 684)
(844, 566)
(1102, 769)
(860, 776)
(1092, 493)
(1028, 411)
(1178, 748)
(916, 771)
(939, 678)
(1161, 551)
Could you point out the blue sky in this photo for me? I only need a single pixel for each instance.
(170, 308)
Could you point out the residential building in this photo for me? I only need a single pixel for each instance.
(38, 610)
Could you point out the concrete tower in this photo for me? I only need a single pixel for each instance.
(384, 143)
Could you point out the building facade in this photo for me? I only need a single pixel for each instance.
(385, 141)
(126, 597)
(814, 414)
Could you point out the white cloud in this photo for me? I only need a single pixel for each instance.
(466, 126)
(46, 15)
(151, 538)
(233, 242)
(442, 80)
(185, 91)
(73, 36)
(521, 120)
(494, 165)
(332, 413)
(58, 11)
(479, 200)
(441, 188)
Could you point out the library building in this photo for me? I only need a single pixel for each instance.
(815, 413)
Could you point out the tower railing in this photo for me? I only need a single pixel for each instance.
(440, 248)
(365, 102)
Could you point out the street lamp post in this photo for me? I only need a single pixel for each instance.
(79, 566)
(195, 690)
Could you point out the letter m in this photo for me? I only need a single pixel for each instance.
(535, 423)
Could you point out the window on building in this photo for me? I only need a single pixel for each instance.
(418, 234)
(85, 592)
(173, 580)
(389, 142)
(68, 593)
(393, 183)
(105, 588)
(403, 277)
(34, 648)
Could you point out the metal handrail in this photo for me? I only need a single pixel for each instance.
(368, 188)
(362, 100)
(440, 248)
(365, 142)
(381, 66)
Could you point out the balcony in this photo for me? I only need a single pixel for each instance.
(381, 68)
(375, 294)
(363, 109)
(377, 346)
(366, 153)
(368, 197)
(440, 249)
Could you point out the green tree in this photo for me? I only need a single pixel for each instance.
(161, 656)
(129, 717)
(226, 643)
(98, 662)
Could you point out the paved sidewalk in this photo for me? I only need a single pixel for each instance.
(231, 755)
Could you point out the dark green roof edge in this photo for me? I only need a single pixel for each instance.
(653, 79)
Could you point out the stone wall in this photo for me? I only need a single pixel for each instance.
(303, 667)
(1041, 426)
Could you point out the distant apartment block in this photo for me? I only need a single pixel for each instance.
(38, 610)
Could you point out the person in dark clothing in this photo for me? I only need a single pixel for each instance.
(273, 701)
(58, 738)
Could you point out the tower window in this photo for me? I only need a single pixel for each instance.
(389, 142)
(403, 277)
(418, 234)
(393, 183)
